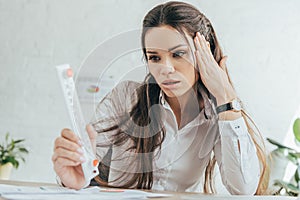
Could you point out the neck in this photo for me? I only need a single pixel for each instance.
(186, 107)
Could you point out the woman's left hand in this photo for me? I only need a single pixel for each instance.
(212, 74)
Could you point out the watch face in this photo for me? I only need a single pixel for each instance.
(236, 105)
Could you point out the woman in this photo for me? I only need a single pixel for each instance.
(168, 132)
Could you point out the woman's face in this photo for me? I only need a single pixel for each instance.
(170, 60)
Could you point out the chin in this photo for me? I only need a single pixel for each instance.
(172, 94)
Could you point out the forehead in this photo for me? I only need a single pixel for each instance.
(163, 38)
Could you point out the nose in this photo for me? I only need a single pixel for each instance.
(167, 67)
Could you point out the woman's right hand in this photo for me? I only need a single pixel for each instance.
(68, 156)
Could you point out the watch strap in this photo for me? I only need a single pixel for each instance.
(224, 107)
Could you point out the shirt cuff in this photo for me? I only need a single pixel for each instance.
(236, 139)
(58, 181)
(236, 127)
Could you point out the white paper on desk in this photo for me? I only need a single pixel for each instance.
(55, 192)
(11, 189)
(238, 197)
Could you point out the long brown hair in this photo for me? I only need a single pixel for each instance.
(185, 19)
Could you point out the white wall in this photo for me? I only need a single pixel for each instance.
(261, 38)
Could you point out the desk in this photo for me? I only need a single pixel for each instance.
(176, 195)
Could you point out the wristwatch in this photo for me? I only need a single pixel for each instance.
(234, 105)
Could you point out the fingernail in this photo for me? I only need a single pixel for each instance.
(82, 159)
(80, 142)
(79, 150)
(198, 33)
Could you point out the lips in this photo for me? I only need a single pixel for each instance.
(170, 84)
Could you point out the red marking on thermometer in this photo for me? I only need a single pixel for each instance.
(95, 162)
(69, 72)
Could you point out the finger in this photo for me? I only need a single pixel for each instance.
(222, 62)
(201, 46)
(202, 41)
(70, 135)
(200, 55)
(91, 132)
(61, 142)
(65, 162)
(93, 135)
(62, 153)
(201, 66)
(196, 42)
(70, 155)
(205, 46)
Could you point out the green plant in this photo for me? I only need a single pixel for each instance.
(296, 129)
(12, 151)
(292, 188)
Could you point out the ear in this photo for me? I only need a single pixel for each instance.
(222, 62)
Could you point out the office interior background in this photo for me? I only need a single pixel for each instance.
(261, 39)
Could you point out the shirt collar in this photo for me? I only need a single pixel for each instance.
(162, 99)
(208, 103)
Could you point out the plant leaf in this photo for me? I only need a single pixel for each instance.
(292, 158)
(12, 150)
(23, 150)
(279, 145)
(296, 176)
(296, 129)
(288, 186)
(296, 155)
(7, 136)
(18, 141)
(12, 160)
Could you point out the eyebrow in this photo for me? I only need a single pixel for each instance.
(170, 49)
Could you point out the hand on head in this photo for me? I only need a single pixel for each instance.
(213, 75)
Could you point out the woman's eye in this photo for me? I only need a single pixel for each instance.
(154, 58)
(178, 54)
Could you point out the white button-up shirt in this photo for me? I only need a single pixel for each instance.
(184, 154)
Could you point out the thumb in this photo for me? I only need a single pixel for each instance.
(92, 135)
(222, 62)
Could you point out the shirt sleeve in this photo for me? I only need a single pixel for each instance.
(236, 156)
